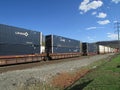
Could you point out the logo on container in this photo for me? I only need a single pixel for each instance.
(63, 40)
(22, 33)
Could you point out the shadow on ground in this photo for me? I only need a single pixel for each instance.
(118, 66)
(80, 86)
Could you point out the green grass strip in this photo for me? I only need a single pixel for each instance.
(105, 77)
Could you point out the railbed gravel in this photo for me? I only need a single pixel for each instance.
(13, 80)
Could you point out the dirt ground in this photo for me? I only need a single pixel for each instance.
(65, 79)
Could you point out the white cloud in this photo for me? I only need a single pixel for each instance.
(93, 28)
(103, 22)
(94, 13)
(86, 5)
(116, 1)
(101, 15)
(112, 36)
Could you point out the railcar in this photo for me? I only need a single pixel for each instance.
(18, 45)
(61, 47)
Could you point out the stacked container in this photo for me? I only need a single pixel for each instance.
(58, 44)
(19, 41)
(89, 48)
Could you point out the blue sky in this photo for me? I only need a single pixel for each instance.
(84, 20)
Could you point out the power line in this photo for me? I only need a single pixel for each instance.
(117, 26)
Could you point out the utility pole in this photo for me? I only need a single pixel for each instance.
(117, 26)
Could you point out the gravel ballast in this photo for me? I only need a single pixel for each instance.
(12, 80)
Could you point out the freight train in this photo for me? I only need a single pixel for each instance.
(18, 45)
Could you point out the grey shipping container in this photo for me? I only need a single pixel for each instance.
(14, 35)
(89, 48)
(59, 41)
(63, 50)
(58, 44)
(19, 41)
(18, 49)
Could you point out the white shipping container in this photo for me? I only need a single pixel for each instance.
(106, 49)
(109, 49)
(101, 49)
(42, 49)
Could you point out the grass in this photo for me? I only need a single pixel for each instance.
(105, 77)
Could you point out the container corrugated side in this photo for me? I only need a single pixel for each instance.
(88, 48)
(65, 50)
(101, 49)
(18, 49)
(106, 49)
(65, 42)
(59, 41)
(92, 47)
(58, 44)
(15, 35)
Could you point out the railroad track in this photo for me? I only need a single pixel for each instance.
(22, 66)
(36, 64)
